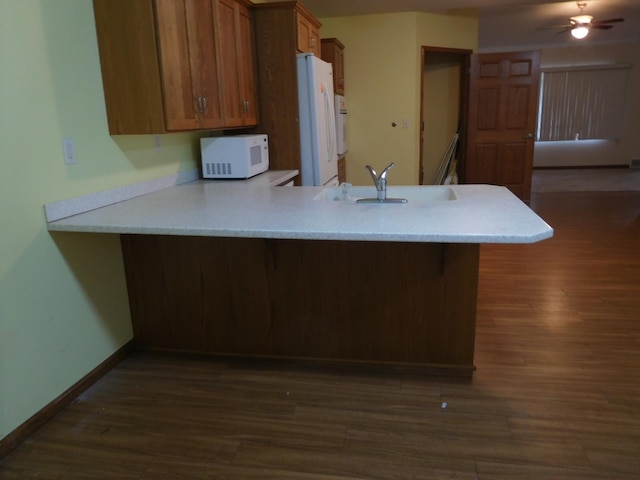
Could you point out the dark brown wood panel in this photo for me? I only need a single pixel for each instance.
(486, 165)
(518, 104)
(488, 108)
(277, 74)
(511, 169)
(365, 301)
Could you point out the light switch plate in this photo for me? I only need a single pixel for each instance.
(69, 150)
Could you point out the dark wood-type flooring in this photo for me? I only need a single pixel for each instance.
(556, 394)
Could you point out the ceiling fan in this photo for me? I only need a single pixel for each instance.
(581, 24)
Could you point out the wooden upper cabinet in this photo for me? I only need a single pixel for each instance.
(236, 49)
(333, 52)
(187, 50)
(308, 32)
(161, 65)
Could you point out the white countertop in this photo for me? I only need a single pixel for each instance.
(255, 209)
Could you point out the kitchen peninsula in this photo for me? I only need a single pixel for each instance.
(240, 268)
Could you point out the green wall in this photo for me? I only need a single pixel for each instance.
(382, 78)
(63, 303)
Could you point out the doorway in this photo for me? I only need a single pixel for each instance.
(444, 103)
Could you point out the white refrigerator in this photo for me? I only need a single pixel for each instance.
(319, 154)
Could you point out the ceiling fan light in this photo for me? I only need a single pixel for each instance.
(582, 19)
(579, 32)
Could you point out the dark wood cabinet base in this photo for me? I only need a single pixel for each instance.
(382, 302)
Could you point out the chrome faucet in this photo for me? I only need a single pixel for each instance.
(380, 181)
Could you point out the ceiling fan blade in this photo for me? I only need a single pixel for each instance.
(567, 29)
(554, 27)
(611, 20)
(602, 27)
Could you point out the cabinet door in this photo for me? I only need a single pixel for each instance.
(314, 41)
(227, 34)
(246, 66)
(203, 63)
(186, 39)
(339, 71)
(308, 36)
(175, 69)
(236, 50)
(333, 52)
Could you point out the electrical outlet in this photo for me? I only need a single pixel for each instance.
(405, 123)
(69, 150)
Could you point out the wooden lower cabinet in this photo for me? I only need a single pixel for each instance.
(380, 302)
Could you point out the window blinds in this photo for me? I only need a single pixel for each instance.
(580, 103)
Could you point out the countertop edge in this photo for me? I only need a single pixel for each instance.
(482, 214)
(308, 235)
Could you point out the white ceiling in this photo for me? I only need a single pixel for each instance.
(508, 23)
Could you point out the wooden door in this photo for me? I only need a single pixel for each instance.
(503, 106)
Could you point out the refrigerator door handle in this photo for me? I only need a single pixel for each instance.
(330, 122)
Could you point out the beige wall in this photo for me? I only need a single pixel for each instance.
(383, 72)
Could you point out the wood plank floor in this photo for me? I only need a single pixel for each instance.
(556, 394)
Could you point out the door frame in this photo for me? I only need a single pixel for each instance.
(465, 56)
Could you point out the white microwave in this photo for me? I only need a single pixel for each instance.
(238, 156)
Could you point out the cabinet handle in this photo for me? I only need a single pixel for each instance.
(202, 104)
(246, 106)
